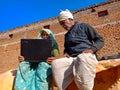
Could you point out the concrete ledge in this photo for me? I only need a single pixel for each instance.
(107, 64)
(108, 77)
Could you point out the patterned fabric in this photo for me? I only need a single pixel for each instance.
(33, 76)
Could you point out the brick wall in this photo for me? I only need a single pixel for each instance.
(108, 26)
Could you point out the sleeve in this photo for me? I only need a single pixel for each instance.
(55, 50)
(95, 38)
(65, 46)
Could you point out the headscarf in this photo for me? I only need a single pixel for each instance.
(55, 48)
(65, 15)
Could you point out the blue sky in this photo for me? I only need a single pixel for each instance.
(14, 13)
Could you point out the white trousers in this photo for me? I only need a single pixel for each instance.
(81, 69)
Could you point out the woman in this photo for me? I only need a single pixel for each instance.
(36, 76)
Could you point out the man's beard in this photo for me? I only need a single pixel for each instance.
(67, 27)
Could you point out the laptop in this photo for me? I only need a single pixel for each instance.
(36, 50)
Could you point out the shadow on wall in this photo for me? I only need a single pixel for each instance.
(105, 80)
(13, 74)
(108, 79)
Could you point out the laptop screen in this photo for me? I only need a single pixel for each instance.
(36, 50)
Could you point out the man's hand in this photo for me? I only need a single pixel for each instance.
(50, 59)
(88, 51)
(66, 55)
(20, 58)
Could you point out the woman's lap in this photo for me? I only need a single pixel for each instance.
(32, 76)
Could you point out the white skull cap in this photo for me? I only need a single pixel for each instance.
(65, 15)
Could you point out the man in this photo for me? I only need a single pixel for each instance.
(79, 61)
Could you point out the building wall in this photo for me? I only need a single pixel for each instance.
(92, 17)
(107, 26)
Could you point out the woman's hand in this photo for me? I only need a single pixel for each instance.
(20, 58)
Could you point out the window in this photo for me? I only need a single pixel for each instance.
(47, 26)
(10, 35)
(93, 10)
(102, 13)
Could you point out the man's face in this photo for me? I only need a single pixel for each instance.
(66, 24)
